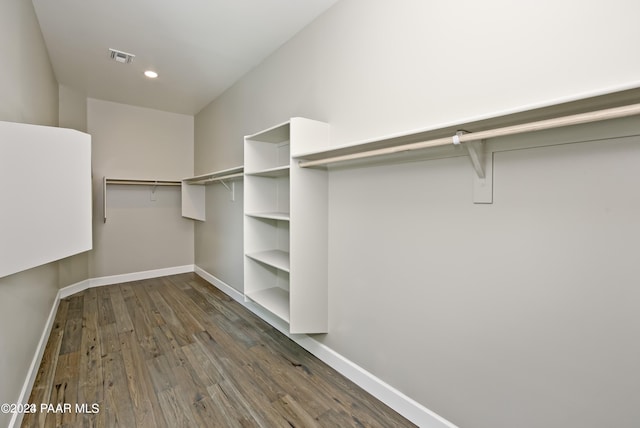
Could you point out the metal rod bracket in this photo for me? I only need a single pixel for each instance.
(231, 189)
(482, 161)
(476, 154)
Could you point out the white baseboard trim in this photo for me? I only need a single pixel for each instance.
(138, 276)
(73, 289)
(16, 418)
(119, 279)
(219, 284)
(401, 403)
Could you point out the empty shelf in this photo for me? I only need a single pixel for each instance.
(275, 300)
(271, 172)
(271, 215)
(276, 258)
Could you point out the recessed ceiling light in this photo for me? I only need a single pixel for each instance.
(151, 74)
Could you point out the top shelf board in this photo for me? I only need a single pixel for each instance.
(480, 123)
(275, 134)
(225, 174)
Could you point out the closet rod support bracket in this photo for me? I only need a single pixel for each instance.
(153, 196)
(482, 160)
(477, 155)
(231, 189)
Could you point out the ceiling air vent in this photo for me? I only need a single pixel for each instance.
(119, 56)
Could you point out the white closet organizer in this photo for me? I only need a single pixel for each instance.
(285, 224)
(448, 141)
(425, 139)
(131, 182)
(193, 190)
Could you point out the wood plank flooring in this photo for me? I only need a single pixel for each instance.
(177, 352)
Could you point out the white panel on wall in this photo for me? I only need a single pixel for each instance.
(45, 195)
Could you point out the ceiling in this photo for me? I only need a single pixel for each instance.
(199, 48)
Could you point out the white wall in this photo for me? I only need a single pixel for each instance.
(72, 113)
(140, 233)
(29, 89)
(218, 241)
(29, 94)
(520, 313)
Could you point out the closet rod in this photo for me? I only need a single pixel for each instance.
(558, 122)
(133, 181)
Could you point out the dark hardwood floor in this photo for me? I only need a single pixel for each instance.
(177, 352)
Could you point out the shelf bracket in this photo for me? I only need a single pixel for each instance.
(477, 155)
(482, 160)
(231, 189)
(153, 191)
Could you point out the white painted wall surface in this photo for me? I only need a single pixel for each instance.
(72, 113)
(140, 233)
(29, 94)
(519, 313)
(29, 88)
(219, 239)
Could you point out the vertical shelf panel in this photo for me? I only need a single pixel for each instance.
(193, 201)
(309, 299)
(194, 191)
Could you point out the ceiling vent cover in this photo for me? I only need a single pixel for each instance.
(122, 57)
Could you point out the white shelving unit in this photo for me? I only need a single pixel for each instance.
(193, 190)
(285, 242)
